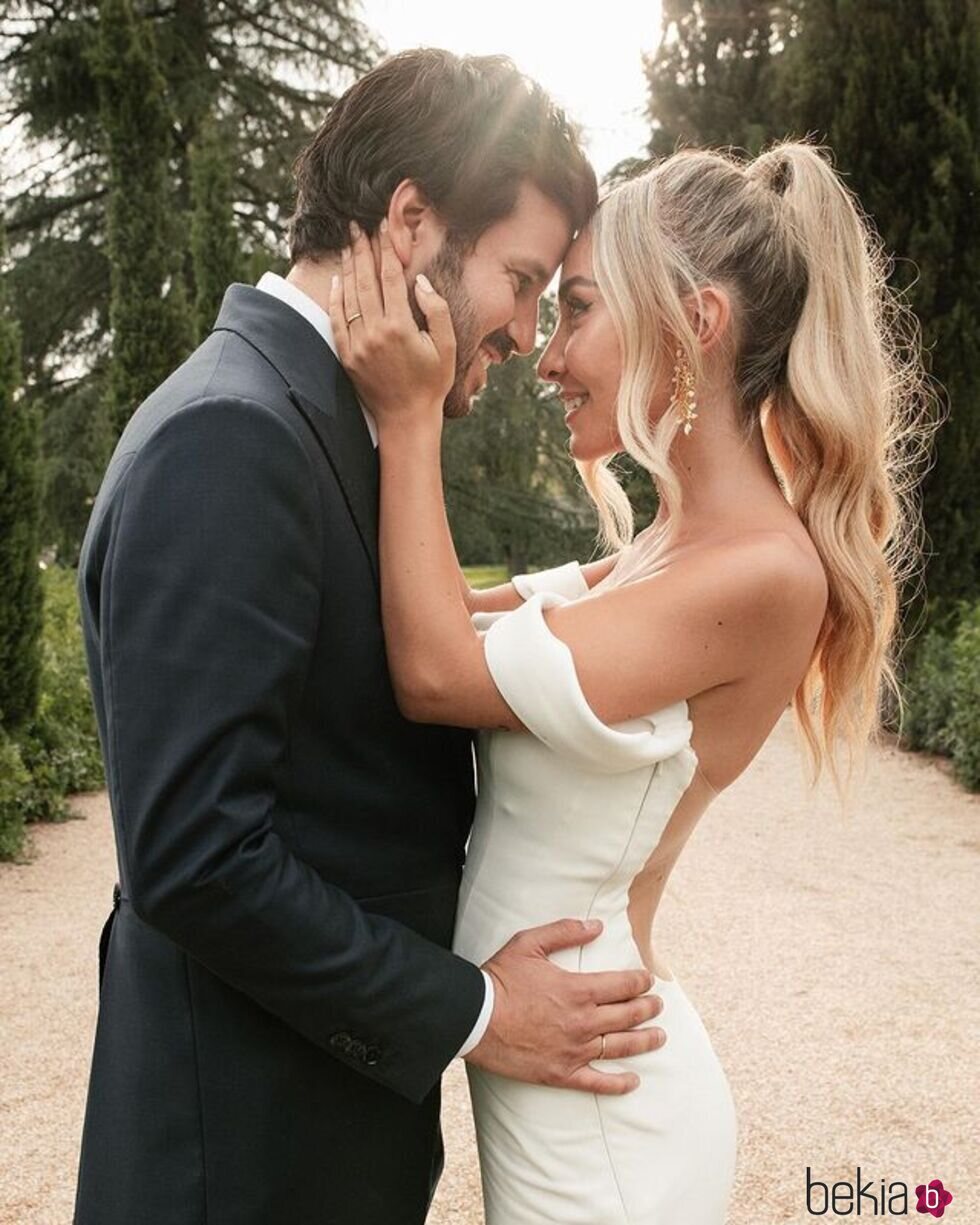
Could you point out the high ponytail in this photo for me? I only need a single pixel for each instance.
(844, 426)
(826, 360)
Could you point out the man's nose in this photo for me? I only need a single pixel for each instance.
(523, 329)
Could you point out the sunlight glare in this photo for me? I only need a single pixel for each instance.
(588, 56)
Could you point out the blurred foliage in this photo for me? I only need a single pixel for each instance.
(148, 312)
(893, 86)
(254, 78)
(512, 490)
(20, 589)
(964, 719)
(715, 77)
(15, 784)
(928, 694)
(480, 577)
(215, 254)
(57, 752)
(942, 695)
(64, 734)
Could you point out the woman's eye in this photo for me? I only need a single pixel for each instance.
(576, 306)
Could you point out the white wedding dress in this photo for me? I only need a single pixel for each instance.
(567, 817)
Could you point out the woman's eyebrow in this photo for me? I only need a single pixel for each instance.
(574, 282)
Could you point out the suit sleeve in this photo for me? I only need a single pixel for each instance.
(210, 593)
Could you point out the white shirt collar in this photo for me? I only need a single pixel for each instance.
(315, 315)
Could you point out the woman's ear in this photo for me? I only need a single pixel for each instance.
(710, 316)
(415, 227)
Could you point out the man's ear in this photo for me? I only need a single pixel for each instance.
(416, 229)
(711, 313)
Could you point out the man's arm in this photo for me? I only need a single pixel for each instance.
(210, 594)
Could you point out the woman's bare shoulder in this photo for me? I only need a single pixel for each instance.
(774, 583)
(764, 562)
(754, 583)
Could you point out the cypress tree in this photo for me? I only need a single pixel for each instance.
(150, 321)
(20, 579)
(895, 87)
(214, 240)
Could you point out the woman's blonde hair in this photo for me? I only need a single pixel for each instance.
(824, 357)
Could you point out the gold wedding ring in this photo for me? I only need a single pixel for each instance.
(602, 1046)
(351, 318)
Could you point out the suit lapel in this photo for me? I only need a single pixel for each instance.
(347, 443)
(319, 388)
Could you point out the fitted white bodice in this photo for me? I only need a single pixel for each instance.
(566, 817)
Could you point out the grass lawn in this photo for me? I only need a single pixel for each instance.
(485, 576)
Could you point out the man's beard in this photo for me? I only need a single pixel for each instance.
(446, 274)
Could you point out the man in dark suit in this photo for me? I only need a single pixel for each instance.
(278, 999)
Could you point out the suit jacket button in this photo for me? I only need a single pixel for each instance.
(372, 1055)
(341, 1042)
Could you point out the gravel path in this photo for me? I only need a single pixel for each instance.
(835, 961)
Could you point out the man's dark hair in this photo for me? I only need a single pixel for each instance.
(468, 130)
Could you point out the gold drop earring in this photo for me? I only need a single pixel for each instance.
(683, 399)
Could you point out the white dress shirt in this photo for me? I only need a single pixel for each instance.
(317, 317)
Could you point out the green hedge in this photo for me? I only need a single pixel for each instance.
(58, 752)
(964, 715)
(14, 785)
(942, 696)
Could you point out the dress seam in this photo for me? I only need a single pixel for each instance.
(626, 846)
(610, 875)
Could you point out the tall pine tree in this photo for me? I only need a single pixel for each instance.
(20, 579)
(894, 86)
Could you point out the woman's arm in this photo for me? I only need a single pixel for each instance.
(402, 375)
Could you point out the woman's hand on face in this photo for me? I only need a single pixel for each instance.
(401, 374)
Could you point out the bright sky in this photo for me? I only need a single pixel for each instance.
(588, 56)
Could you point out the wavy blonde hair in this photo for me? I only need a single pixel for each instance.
(825, 358)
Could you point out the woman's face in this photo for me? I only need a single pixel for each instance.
(583, 357)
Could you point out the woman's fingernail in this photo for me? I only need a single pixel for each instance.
(355, 230)
(424, 283)
(334, 281)
(384, 225)
(345, 253)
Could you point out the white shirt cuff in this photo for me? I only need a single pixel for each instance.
(566, 580)
(482, 1021)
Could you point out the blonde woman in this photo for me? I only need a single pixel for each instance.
(726, 324)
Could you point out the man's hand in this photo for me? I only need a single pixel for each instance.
(548, 1023)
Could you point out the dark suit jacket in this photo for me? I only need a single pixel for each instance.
(278, 999)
